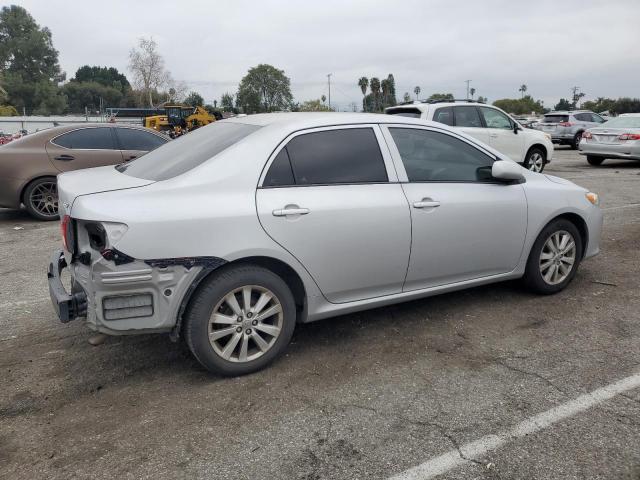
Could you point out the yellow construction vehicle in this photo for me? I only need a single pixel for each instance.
(179, 119)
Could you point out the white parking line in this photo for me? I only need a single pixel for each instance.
(473, 450)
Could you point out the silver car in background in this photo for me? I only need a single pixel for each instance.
(566, 127)
(233, 234)
(618, 138)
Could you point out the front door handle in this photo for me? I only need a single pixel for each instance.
(493, 135)
(132, 157)
(65, 158)
(283, 212)
(426, 203)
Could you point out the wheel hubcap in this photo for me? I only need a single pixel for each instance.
(536, 162)
(44, 199)
(557, 257)
(245, 324)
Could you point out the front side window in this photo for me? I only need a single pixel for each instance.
(430, 156)
(597, 118)
(99, 138)
(337, 156)
(495, 119)
(467, 117)
(444, 115)
(132, 139)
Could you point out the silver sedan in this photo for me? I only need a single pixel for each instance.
(618, 138)
(234, 233)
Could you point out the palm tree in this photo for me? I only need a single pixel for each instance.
(417, 92)
(385, 92)
(523, 89)
(323, 98)
(472, 91)
(363, 83)
(374, 85)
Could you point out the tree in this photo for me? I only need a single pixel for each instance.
(89, 95)
(406, 98)
(374, 86)
(482, 99)
(390, 97)
(363, 83)
(107, 76)
(523, 89)
(194, 99)
(520, 106)
(264, 89)
(29, 63)
(147, 67)
(440, 97)
(416, 90)
(323, 98)
(472, 91)
(314, 106)
(575, 98)
(226, 102)
(563, 104)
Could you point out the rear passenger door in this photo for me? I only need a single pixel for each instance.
(467, 119)
(134, 142)
(330, 197)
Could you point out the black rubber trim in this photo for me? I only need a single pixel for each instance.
(67, 306)
(187, 262)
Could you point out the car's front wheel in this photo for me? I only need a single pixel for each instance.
(239, 320)
(595, 161)
(535, 160)
(41, 198)
(554, 257)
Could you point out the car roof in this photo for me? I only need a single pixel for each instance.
(301, 120)
(567, 112)
(424, 106)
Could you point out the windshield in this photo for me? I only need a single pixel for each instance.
(622, 122)
(181, 155)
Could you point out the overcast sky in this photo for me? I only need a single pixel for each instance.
(499, 45)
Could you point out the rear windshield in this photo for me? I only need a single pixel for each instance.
(555, 118)
(623, 122)
(187, 152)
(404, 112)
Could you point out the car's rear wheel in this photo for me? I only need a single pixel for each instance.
(595, 161)
(535, 160)
(554, 257)
(41, 198)
(576, 141)
(239, 320)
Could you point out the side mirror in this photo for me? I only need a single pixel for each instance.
(516, 127)
(508, 171)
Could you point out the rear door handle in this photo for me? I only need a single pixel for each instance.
(283, 212)
(426, 204)
(65, 158)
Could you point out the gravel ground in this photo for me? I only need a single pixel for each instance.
(361, 396)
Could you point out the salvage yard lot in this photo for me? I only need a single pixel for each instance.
(367, 395)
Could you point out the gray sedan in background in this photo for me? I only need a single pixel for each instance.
(618, 138)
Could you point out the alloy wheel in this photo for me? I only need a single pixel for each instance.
(44, 199)
(245, 324)
(536, 162)
(557, 257)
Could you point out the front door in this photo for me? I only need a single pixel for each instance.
(502, 135)
(327, 199)
(464, 225)
(84, 148)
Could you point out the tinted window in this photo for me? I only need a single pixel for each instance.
(467, 117)
(437, 157)
(495, 119)
(280, 173)
(405, 112)
(132, 139)
(583, 117)
(555, 118)
(597, 118)
(87, 139)
(337, 156)
(188, 151)
(443, 115)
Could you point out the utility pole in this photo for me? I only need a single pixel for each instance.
(467, 82)
(329, 82)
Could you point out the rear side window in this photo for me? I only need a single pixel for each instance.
(430, 156)
(467, 117)
(99, 138)
(280, 173)
(444, 115)
(405, 112)
(337, 156)
(188, 151)
(555, 118)
(132, 139)
(583, 117)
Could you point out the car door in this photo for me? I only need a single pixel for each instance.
(84, 147)
(464, 224)
(330, 197)
(502, 134)
(467, 119)
(134, 142)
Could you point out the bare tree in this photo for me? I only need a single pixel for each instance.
(147, 66)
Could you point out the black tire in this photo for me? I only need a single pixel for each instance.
(595, 161)
(40, 208)
(529, 160)
(533, 278)
(576, 141)
(212, 291)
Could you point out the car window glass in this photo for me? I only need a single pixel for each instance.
(132, 139)
(583, 117)
(596, 118)
(467, 117)
(404, 112)
(443, 115)
(280, 173)
(87, 139)
(555, 118)
(337, 156)
(437, 157)
(495, 119)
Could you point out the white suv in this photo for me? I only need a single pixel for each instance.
(530, 148)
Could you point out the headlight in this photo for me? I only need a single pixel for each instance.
(548, 136)
(593, 198)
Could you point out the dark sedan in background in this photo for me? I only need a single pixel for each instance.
(28, 166)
